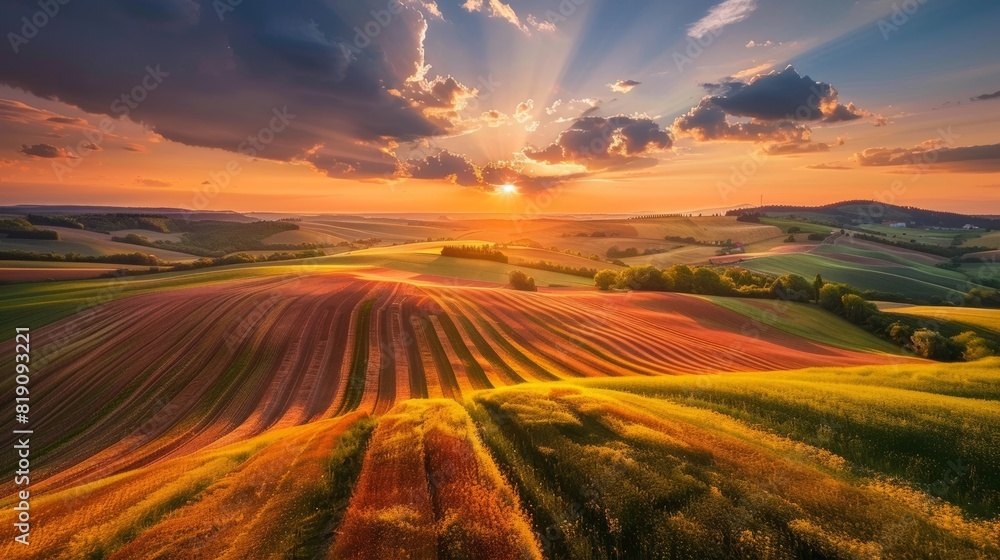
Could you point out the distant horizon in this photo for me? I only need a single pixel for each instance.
(522, 214)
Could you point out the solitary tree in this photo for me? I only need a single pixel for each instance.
(817, 286)
(521, 281)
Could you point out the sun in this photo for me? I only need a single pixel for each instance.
(508, 189)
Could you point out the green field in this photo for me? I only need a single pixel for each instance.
(941, 238)
(808, 321)
(987, 319)
(915, 281)
(806, 227)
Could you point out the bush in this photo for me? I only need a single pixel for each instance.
(709, 282)
(974, 347)
(521, 281)
(616, 253)
(831, 296)
(979, 297)
(857, 310)
(900, 333)
(605, 279)
(933, 346)
(643, 278)
(792, 287)
(682, 278)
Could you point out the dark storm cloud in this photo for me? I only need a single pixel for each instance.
(67, 120)
(342, 68)
(47, 151)
(161, 11)
(987, 96)
(603, 142)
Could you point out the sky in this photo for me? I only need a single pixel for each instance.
(528, 107)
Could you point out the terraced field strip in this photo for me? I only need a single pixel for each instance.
(245, 499)
(458, 366)
(428, 489)
(518, 341)
(401, 356)
(357, 372)
(505, 351)
(446, 375)
(428, 361)
(418, 358)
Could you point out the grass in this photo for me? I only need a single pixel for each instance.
(911, 281)
(330, 499)
(909, 423)
(450, 267)
(988, 319)
(941, 238)
(833, 463)
(359, 358)
(807, 321)
(806, 227)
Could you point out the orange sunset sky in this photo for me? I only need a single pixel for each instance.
(423, 106)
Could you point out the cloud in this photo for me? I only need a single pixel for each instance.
(180, 13)
(751, 72)
(771, 108)
(522, 113)
(545, 26)
(353, 94)
(784, 95)
(932, 153)
(753, 44)
(456, 168)
(603, 142)
(829, 166)
(496, 9)
(135, 148)
(22, 113)
(494, 118)
(152, 183)
(721, 15)
(68, 120)
(47, 151)
(986, 96)
(708, 122)
(623, 86)
(790, 148)
(445, 166)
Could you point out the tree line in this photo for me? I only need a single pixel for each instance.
(938, 341)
